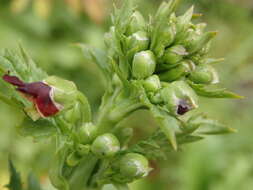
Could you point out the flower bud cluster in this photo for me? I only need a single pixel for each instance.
(168, 49)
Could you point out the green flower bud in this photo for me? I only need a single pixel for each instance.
(143, 64)
(106, 145)
(73, 159)
(134, 166)
(166, 37)
(174, 54)
(200, 42)
(64, 92)
(152, 83)
(83, 149)
(137, 23)
(87, 133)
(155, 98)
(204, 74)
(179, 97)
(138, 41)
(73, 115)
(182, 24)
(177, 72)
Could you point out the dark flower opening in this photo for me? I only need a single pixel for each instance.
(37, 92)
(183, 107)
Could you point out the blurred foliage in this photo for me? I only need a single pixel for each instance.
(49, 30)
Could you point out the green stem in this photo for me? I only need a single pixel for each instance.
(82, 173)
(116, 112)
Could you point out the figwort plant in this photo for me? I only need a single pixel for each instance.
(160, 65)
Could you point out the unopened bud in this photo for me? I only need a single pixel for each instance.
(137, 23)
(174, 55)
(204, 74)
(106, 145)
(152, 83)
(143, 64)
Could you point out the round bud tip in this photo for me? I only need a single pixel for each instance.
(134, 165)
(143, 64)
(106, 145)
(152, 83)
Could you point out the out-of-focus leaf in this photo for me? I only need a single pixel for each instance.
(56, 172)
(203, 90)
(33, 183)
(97, 56)
(15, 179)
(37, 129)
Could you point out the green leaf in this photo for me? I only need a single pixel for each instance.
(34, 72)
(207, 91)
(38, 129)
(33, 183)
(21, 65)
(15, 179)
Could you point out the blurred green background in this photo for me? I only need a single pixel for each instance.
(49, 29)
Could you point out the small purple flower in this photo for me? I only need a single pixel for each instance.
(36, 92)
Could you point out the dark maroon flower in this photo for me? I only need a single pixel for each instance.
(183, 107)
(36, 92)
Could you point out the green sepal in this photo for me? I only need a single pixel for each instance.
(168, 125)
(199, 43)
(173, 55)
(166, 38)
(183, 23)
(211, 92)
(160, 22)
(176, 73)
(206, 126)
(204, 74)
(211, 60)
(189, 139)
